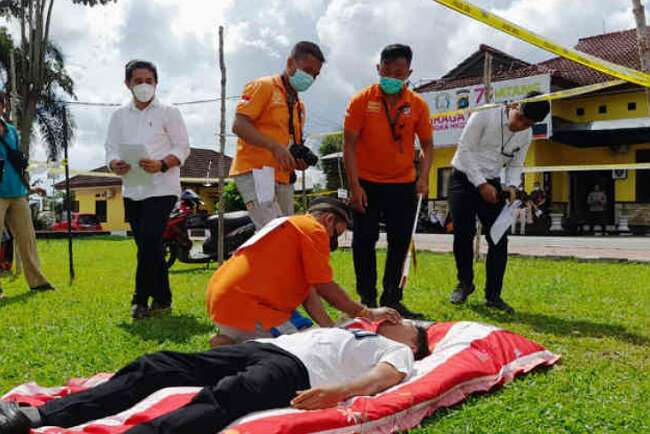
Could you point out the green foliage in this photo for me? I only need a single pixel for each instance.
(333, 168)
(595, 315)
(232, 199)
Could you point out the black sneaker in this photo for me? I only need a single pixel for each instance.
(139, 312)
(498, 303)
(43, 287)
(12, 420)
(460, 294)
(160, 309)
(404, 311)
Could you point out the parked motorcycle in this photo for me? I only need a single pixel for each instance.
(191, 234)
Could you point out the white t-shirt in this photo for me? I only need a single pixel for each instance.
(333, 355)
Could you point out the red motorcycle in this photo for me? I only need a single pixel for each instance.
(190, 235)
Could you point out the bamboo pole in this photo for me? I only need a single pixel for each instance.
(222, 150)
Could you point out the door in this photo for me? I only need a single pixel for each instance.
(592, 198)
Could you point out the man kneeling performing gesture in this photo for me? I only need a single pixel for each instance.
(311, 370)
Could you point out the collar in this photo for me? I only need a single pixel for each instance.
(154, 103)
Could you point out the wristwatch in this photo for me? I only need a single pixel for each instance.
(163, 166)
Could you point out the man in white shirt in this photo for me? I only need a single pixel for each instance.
(310, 370)
(492, 141)
(159, 132)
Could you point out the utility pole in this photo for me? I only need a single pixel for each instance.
(222, 150)
(644, 41)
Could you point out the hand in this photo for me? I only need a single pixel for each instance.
(301, 165)
(512, 192)
(359, 199)
(488, 193)
(284, 158)
(318, 397)
(120, 167)
(37, 190)
(387, 313)
(150, 166)
(422, 187)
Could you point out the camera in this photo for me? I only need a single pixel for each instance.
(302, 152)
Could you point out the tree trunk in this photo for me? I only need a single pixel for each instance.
(26, 125)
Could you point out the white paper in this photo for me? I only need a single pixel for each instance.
(506, 218)
(132, 154)
(264, 179)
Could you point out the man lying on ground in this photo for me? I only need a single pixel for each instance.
(311, 370)
(284, 265)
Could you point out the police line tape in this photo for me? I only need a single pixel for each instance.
(560, 94)
(587, 167)
(628, 74)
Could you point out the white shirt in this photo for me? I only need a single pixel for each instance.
(161, 129)
(334, 355)
(479, 154)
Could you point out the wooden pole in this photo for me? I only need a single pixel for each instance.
(487, 82)
(68, 196)
(222, 150)
(644, 41)
(14, 91)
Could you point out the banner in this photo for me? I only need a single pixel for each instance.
(450, 108)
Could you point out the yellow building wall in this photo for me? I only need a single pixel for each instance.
(114, 205)
(617, 107)
(441, 159)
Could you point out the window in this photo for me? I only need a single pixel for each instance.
(75, 206)
(580, 111)
(643, 177)
(631, 106)
(100, 210)
(602, 109)
(443, 182)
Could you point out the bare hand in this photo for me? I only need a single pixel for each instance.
(488, 193)
(422, 187)
(120, 167)
(284, 158)
(359, 199)
(387, 313)
(512, 192)
(317, 398)
(150, 166)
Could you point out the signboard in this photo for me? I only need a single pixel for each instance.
(448, 126)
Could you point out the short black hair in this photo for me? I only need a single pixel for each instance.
(139, 64)
(535, 111)
(423, 343)
(396, 51)
(305, 48)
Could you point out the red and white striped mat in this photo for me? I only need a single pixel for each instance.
(466, 357)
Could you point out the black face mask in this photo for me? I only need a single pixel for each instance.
(334, 243)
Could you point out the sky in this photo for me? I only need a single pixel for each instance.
(181, 38)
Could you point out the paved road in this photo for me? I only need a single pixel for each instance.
(634, 249)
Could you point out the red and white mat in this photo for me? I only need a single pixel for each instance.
(467, 357)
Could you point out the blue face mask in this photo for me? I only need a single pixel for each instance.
(300, 80)
(391, 85)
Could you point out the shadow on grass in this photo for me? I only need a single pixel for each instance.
(174, 328)
(6, 301)
(191, 270)
(564, 327)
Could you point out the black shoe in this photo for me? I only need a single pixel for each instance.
(12, 420)
(404, 311)
(498, 303)
(460, 294)
(160, 308)
(139, 312)
(43, 287)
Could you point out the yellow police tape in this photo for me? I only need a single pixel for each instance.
(560, 94)
(593, 62)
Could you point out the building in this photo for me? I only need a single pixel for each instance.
(102, 195)
(610, 126)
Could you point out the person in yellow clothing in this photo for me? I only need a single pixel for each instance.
(269, 119)
(255, 293)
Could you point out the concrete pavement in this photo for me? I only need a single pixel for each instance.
(617, 249)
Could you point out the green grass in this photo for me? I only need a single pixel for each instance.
(596, 315)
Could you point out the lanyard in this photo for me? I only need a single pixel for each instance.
(503, 145)
(392, 121)
(290, 103)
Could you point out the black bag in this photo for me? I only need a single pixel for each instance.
(17, 159)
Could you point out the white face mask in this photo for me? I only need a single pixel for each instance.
(144, 92)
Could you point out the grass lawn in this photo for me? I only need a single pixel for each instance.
(596, 315)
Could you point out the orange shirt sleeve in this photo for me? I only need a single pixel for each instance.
(315, 246)
(355, 114)
(424, 127)
(255, 98)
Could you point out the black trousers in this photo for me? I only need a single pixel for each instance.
(465, 204)
(394, 204)
(147, 219)
(236, 380)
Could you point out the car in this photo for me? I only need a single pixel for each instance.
(80, 222)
